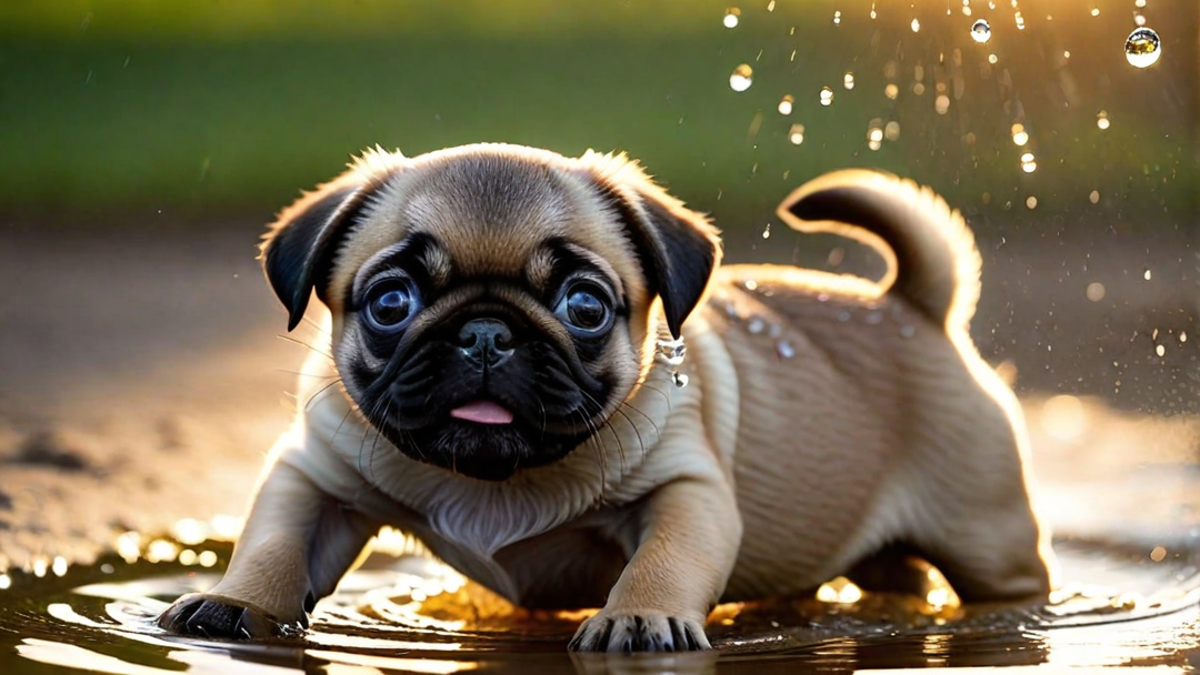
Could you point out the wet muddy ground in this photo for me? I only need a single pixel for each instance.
(144, 379)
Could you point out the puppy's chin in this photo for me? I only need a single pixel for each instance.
(492, 452)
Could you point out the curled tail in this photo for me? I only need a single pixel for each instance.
(931, 254)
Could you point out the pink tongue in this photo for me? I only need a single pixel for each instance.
(483, 412)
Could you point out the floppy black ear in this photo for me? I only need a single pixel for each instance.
(297, 252)
(678, 249)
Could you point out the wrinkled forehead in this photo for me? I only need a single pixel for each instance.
(490, 216)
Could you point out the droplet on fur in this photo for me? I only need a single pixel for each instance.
(785, 349)
(680, 379)
(756, 325)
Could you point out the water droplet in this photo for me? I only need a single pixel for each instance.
(837, 16)
(992, 59)
(891, 91)
(1028, 163)
(1020, 20)
(907, 331)
(756, 325)
(1019, 135)
(1102, 120)
(771, 6)
(1142, 48)
(981, 31)
(1139, 3)
(1095, 291)
(1160, 350)
(1146, 275)
(750, 284)
(785, 349)
(796, 134)
(775, 330)
(915, 25)
(1183, 336)
(785, 104)
(1031, 202)
(941, 105)
(848, 80)
(826, 96)
(892, 130)
(1095, 11)
(5, 582)
(1094, 197)
(843, 316)
(680, 379)
(742, 78)
(730, 310)
(732, 16)
(767, 232)
(919, 88)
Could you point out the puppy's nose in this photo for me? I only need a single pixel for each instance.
(486, 342)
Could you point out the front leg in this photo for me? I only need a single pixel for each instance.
(691, 531)
(296, 545)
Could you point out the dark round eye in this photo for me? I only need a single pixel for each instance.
(584, 309)
(392, 304)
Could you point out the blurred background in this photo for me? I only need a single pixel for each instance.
(144, 145)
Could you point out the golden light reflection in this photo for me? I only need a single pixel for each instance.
(1064, 417)
(839, 590)
(343, 663)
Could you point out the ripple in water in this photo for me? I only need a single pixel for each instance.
(412, 614)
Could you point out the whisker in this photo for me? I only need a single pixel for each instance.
(302, 343)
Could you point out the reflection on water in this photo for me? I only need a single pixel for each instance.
(409, 614)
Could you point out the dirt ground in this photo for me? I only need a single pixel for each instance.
(144, 377)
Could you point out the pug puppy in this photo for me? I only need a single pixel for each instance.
(544, 375)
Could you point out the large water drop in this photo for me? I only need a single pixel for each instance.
(1143, 48)
(732, 16)
(981, 31)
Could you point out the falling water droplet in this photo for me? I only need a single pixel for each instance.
(1160, 350)
(981, 31)
(837, 16)
(766, 233)
(848, 81)
(915, 25)
(785, 104)
(796, 134)
(732, 16)
(1102, 120)
(1142, 48)
(1146, 275)
(742, 78)
(826, 96)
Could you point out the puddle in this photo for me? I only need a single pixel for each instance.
(410, 615)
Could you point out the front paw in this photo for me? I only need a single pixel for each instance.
(639, 632)
(217, 616)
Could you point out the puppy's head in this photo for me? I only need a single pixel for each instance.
(492, 305)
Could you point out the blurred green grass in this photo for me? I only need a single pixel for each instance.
(211, 107)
